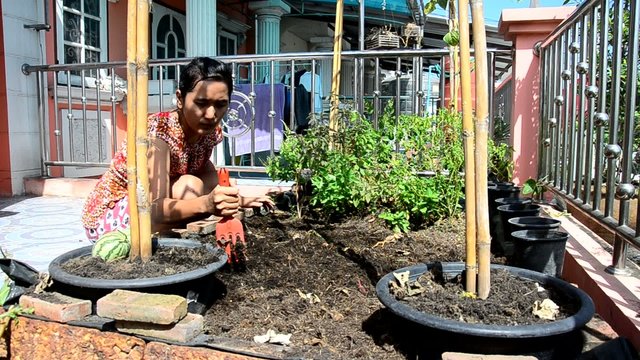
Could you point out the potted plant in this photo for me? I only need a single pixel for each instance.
(473, 277)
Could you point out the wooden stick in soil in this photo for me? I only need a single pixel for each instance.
(471, 266)
(482, 130)
(131, 128)
(142, 77)
(335, 77)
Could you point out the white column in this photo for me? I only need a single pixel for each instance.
(269, 14)
(202, 34)
(202, 40)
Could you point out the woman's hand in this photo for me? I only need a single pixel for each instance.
(257, 201)
(223, 201)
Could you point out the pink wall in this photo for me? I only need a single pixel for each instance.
(525, 27)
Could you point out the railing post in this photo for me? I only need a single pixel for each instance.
(526, 27)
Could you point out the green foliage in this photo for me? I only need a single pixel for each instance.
(362, 174)
(452, 38)
(535, 188)
(500, 162)
(5, 290)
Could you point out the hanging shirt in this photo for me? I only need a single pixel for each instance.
(305, 80)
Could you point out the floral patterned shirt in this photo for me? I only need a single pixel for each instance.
(185, 158)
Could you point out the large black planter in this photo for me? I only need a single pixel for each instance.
(554, 340)
(92, 288)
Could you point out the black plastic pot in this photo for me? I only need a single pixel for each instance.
(501, 190)
(554, 340)
(540, 250)
(92, 288)
(502, 243)
(533, 223)
(512, 200)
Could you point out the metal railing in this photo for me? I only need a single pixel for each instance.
(590, 133)
(82, 105)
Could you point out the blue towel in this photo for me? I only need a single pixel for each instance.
(262, 106)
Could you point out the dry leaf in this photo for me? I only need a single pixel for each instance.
(546, 309)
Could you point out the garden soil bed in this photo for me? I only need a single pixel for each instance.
(317, 281)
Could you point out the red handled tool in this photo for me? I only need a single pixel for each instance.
(229, 231)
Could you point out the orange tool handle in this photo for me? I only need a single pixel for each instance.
(223, 177)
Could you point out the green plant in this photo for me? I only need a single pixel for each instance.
(362, 174)
(13, 311)
(500, 161)
(535, 188)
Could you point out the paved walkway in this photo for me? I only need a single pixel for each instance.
(36, 230)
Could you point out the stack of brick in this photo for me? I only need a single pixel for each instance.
(154, 315)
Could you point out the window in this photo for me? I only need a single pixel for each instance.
(227, 43)
(82, 31)
(168, 38)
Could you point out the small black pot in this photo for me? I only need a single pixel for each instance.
(502, 243)
(554, 340)
(533, 223)
(540, 250)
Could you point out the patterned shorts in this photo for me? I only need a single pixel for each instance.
(115, 218)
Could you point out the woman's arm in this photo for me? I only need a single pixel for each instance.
(221, 201)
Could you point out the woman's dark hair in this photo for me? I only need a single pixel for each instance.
(204, 68)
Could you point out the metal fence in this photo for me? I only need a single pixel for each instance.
(81, 106)
(590, 148)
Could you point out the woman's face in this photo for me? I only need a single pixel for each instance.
(203, 108)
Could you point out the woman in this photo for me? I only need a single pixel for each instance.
(183, 181)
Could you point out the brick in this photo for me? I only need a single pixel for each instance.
(186, 329)
(208, 225)
(57, 307)
(161, 351)
(465, 356)
(202, 227)
(142, 307)
(33, 339)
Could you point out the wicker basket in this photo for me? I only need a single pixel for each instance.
(382, 40)
(411, 30)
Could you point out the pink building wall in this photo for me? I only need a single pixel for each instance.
(526, 27)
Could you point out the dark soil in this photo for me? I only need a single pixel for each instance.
(317, 282)
(166, 261)
(509, 304)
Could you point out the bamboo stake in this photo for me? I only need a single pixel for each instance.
(468, 134)
(131, 128)
(482, 130)
(337, 63)
(142, 141)
(454, 78)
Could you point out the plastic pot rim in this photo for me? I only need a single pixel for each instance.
(574, 322)
(539, 235)
(547, 221)
(59, 274)
(530, 207)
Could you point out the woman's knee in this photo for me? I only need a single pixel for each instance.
(187, 187)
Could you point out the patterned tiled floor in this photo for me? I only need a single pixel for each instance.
(36, 230)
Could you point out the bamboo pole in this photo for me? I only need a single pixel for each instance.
(482, 130)
(142, 141)
(337, 63)
(454, 78)
(131, 128)
(471, 266)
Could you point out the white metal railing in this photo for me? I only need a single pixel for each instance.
(80, 104)
(590, 148)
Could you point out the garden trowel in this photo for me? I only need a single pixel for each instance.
(229, 231)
